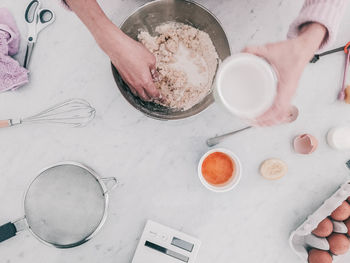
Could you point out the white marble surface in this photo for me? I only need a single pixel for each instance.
(156, 161)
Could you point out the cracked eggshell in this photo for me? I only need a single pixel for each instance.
(305, 144)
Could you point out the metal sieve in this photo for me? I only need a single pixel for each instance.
(64, 206)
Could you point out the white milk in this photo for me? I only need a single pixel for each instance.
(246, 85)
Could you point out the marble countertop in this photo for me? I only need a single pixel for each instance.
(156, 161)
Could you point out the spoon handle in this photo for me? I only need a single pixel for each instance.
(217, 139)
(317, 56)
(5, 123)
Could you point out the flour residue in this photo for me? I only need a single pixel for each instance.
(186, 63)
(196, 67)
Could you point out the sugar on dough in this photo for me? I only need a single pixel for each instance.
(186, 63)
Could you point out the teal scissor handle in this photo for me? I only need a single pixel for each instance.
(37, 19)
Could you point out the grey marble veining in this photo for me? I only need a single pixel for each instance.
(156, 161)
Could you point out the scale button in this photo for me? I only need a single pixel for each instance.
(153, 234)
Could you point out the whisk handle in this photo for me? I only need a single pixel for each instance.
(5, 123)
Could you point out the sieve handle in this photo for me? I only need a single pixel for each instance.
(7, 231)
(110, 182)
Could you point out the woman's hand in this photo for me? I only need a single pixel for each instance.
(285, 59)
(134, 62)
(289, 59)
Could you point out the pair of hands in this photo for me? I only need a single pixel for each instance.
(137, 65)
(289, 58)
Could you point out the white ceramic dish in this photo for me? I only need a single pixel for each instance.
(234, 179)
(298, 238)
(339, 137)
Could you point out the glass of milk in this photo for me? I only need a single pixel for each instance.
(246, 85)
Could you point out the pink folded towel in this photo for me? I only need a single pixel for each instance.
(12, 75)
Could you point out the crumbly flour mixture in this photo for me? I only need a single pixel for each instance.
(186, 62)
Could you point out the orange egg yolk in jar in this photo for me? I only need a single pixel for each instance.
(218, 168)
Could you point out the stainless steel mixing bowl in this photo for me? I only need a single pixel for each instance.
(148, 17)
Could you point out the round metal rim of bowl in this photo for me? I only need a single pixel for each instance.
(156, 111)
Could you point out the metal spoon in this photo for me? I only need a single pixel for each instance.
(217, 139)
(292, 116)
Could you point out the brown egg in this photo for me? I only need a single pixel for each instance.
(339, 244)
(347, 223)
(342, 212)
(319, 256)
(324, 228)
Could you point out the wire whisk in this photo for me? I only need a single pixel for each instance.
(72, 112)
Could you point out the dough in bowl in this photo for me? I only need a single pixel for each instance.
(186, 62)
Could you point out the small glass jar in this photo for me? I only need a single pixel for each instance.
(246, 85)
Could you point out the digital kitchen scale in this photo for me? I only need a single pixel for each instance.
(161, 244)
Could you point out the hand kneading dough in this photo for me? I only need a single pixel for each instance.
(186, 63)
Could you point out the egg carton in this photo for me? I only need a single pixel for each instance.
(301, 239)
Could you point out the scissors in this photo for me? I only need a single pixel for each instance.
(342, 95)
(37, 19)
